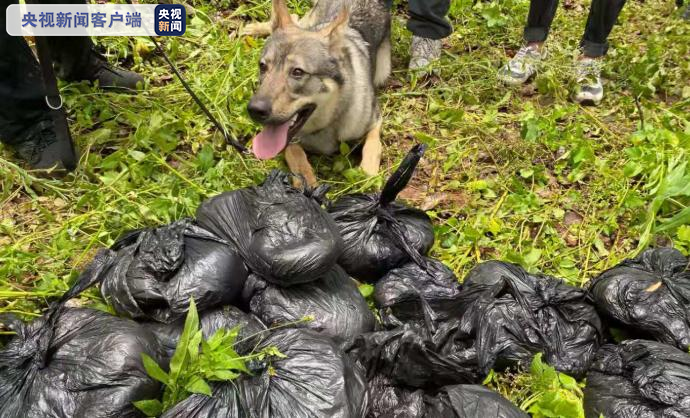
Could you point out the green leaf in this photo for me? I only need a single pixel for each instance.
(225, 375)
(191, 326)
(558, 395)
(150, 407)
(204, 160)
(679, 220)
(137, 155)
(154, 370)
(684, 233)
(353, 174)
(344, 148)
(193, 347)
(273, 352)
(425, 138)
(532, 257)
(366, 290)
(568, 382)
(489, 377)
(526, 173)
(233, 363)
(199, 385)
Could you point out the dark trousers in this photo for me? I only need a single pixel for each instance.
(602, 17)
(428, 18)
(22, 93)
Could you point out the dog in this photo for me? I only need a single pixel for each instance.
(318, 80)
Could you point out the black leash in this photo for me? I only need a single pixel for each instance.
(239, 147)
(53, 98)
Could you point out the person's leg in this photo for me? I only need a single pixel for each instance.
(539, 19)
(602, 16)
(428, 24)
(77, 59)
(21, 87)
(38, 135)
(428, 18)
(527, 60)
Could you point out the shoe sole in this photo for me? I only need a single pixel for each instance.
(512, 82)
(588, 102)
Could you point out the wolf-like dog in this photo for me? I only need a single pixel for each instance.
(318, 79)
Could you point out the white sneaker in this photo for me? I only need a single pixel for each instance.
(523, 65)
(423, 52)
(589, 89)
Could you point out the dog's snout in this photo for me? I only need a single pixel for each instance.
(259, 108)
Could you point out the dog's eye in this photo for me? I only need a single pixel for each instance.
(263, 67)
(297, 73)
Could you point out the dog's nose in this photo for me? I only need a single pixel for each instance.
(259, 109)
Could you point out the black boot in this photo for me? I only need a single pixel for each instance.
(76, 59)
(48, 145)
(98, 69)
(39, 135)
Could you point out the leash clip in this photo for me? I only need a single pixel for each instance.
(58, 107)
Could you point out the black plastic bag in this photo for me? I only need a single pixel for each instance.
(386, 399)
(456, 401)
(638, 379)
(282, 232)
(513, 315)
(380, 233)
(470, 401)
(251, 331)
(155, 272)
(649, 295)
(334, 304)
(418, 357)
(408, 292)
(76, 363)
(315, 380)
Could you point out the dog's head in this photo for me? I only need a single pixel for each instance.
(299, 74)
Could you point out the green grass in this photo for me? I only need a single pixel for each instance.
(521, 174)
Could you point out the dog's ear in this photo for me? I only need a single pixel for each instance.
(338, 25)
(281, 15)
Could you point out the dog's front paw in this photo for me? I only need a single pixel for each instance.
(257, 29)
(370, 166)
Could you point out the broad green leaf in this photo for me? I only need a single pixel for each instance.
(366, 290)
(204, 160)
(225, 375)
(233, 364)
(191, 326)
(137, 155)
(680, 219)
(532, 257)
(199, 385)
(684, 232)
(150, 407)
(193, 346)
(154, 370)
(568, 382)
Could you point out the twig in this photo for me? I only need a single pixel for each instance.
(639, 110)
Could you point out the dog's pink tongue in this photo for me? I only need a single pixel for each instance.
(269, 142)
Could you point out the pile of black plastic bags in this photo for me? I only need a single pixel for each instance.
(274, 254)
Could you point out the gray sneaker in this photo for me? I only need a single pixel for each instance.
(424, 51)
(589, 90)
(523, 65)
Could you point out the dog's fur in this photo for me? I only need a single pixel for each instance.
(342, 51)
